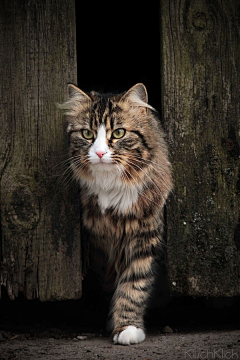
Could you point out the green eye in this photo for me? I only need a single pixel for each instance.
(119, 133)
(87, 134)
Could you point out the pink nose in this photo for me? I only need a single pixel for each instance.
(100, 154)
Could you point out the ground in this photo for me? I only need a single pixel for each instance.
(184, 328)
(170, 346)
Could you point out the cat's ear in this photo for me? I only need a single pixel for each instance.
(75, 93)
(77, 98)
(137, 96)
(137, 92)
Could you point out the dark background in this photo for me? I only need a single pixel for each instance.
(118, 45)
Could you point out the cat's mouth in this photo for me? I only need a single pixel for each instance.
(101, 162)
(104, 159)
(98, 165)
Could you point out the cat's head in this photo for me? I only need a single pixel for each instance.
(111, 132)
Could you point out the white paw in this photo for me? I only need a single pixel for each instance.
(130, 335)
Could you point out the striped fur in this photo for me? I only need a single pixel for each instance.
(122, 193)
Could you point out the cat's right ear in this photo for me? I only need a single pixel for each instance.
(77, 98)
(75, 93)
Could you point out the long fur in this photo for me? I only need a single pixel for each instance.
(122, 194)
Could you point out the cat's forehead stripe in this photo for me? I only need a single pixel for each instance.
(102, 113)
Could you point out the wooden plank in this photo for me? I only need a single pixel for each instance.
(201, 92)
(40, 234)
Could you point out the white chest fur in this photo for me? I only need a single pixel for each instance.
(111, 190)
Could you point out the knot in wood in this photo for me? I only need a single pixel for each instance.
(23, 210)
(199, 21)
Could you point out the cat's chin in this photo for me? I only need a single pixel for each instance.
(102, 166)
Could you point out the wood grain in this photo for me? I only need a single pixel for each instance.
(40, 231)
(201, 92)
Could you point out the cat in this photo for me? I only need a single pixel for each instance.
(120, 159)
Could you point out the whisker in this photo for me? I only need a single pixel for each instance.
(62, 163)
(139, 192)
(160, 174)
(145, 161)
(153, 182)
(130, 164)
(65, 179)
(67, 175)
(70, 176)
(70, 160)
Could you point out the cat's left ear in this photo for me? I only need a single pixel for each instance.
(137, 96)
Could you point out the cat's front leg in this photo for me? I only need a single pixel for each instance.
(129, 335)
(130, 301)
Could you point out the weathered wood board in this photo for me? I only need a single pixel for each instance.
(40, 231)
(201, 108)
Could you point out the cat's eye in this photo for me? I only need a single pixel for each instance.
(87, 134)
(119, 133)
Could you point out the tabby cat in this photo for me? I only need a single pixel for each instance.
(120, 159)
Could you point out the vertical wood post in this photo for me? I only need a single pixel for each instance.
(40, 234)
(201, 108)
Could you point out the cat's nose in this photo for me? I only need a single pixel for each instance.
(100, 154)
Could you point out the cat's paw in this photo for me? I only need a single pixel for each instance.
(130, 335)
